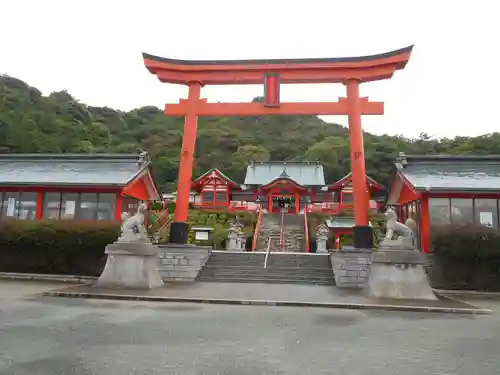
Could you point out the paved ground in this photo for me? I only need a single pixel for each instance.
(262, 292)
(43, 335)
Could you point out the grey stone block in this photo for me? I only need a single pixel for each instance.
(351, 267)
(353, 274)
(182, 262)
(364, 274)
(355, 267)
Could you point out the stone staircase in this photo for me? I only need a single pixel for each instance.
(248, 267)
(293, 233)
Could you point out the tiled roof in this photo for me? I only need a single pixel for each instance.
(342, 222)
(448, 172)
(70, 169)
(348, 177)
(304, 173)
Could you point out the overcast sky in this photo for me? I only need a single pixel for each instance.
(93, 49)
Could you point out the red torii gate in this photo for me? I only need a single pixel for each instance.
(350, 71)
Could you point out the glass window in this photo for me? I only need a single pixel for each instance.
(10, 205)
(69, 204)
(439, 211)
(27, 206)
(88, 207)
(106, 206)
(462, 211)
(51, 205)
(418, 220)
(404, 213)
(346, 198)
(485, 212)
(221, 196)
(130, 205)
(208, 196)
(412, 209)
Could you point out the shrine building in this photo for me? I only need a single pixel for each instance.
(74, 186)
(277, 186)
(438, 190)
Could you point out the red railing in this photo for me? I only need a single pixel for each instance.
(332, 208)
(210, 204)
(306, 228)
(242, 206)
(163, 220)
(257, 229)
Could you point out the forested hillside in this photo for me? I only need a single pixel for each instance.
(30, 122)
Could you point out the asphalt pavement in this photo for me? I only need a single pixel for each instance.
(46, 335)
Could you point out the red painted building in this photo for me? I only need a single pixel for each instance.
(213, 189)
(442, 189)
(344, 191)
(276, 186)
(73, 186)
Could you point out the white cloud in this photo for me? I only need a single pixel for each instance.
(93, 49)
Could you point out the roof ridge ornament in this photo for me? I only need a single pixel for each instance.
(143, 157)
(401, 159)
(283, 174)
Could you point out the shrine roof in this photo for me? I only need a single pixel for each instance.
(450, 172)
(340, 184)
(221, 175)
(303, 173)
(71, 169)
(340, 222)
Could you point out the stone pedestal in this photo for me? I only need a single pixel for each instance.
(399, 274)
(321, 244)
(131, 265)
(242, 241)
(351, 267)
(233, 241)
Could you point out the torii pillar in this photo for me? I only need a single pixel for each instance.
(362, 233)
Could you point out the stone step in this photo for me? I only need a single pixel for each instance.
(265, 280)
(286, 268)
(269, 271)
(270, 264)
(309, 266)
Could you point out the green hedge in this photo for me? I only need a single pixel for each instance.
(465, 257)
(55, 247)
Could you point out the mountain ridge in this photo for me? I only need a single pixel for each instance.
(31, 122)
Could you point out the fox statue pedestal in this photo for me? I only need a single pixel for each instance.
(397, 270)
(132, 260)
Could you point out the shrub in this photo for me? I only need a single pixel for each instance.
(466, 257)
(55, 247)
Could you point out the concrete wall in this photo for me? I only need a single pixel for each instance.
(351, 267)
(182, 262)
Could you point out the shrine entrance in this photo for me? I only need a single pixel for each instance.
(350, 71)
(284, 204)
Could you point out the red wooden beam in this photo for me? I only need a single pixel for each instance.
(286, 76)
(203, 108)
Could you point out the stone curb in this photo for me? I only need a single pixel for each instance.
(338, 305)
(466, 293)
(43, 277)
